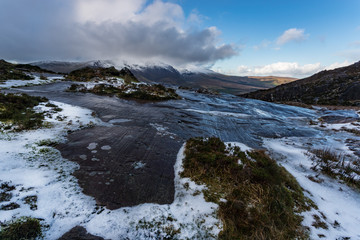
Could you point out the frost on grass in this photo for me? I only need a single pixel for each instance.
(256, 198)
(337, 165)
(338, 206)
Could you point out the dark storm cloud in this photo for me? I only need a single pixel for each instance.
(41, 29)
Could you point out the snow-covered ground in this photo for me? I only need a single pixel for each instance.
(33, 82)
(339, 204)
(40, 173)
(116, 82)
(188, 217)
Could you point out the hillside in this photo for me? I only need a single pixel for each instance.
(90, 73)
(340, 86)
(274, 79)
(18, 71)
(166, 74)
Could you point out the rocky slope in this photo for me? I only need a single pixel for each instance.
(340, 86)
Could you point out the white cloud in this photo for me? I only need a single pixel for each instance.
(264, 44)
(195, 18)
(290, 35)
(352, 54)
(285, 69)
(106, 10)
(131, 30)
(338, 65)
(355, 44)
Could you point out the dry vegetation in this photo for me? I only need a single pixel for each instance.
(258, 199)
(22, 228)
(153, 92)
(337, 165)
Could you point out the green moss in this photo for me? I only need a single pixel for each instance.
(22, 228)
(18, 110)
(262, 199)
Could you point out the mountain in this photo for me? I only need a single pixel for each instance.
(67, 67)
(18, 71)
(340, 86)
(166, 74)
(205, 79)
(276, 80)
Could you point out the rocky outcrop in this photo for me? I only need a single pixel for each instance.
(79, 233)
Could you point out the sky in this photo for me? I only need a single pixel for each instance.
(237, 37)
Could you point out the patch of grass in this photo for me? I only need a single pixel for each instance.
(18, 110)
(53, 107)
(154, 92)
(10, 206)
(150, 92)
(22, 228)
(262, 199)
(31, 201)
(5, 191)
(318, 223)
(7, 187)
(159, 228)
(337, 165)
(5, 196)
(90, 73)
(46, 143)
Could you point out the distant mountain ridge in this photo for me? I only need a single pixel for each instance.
(18, 71)
(340, 86)
(167, 74)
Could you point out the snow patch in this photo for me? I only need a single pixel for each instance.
(336, 201)
(42, 172)
(138, 165)
(162, 131)
(218, 113)
(92, 146)
(106, 147)
(33, 82)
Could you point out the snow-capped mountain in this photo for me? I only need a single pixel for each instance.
(167, 74)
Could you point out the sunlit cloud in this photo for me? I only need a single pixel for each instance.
(292, 35)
